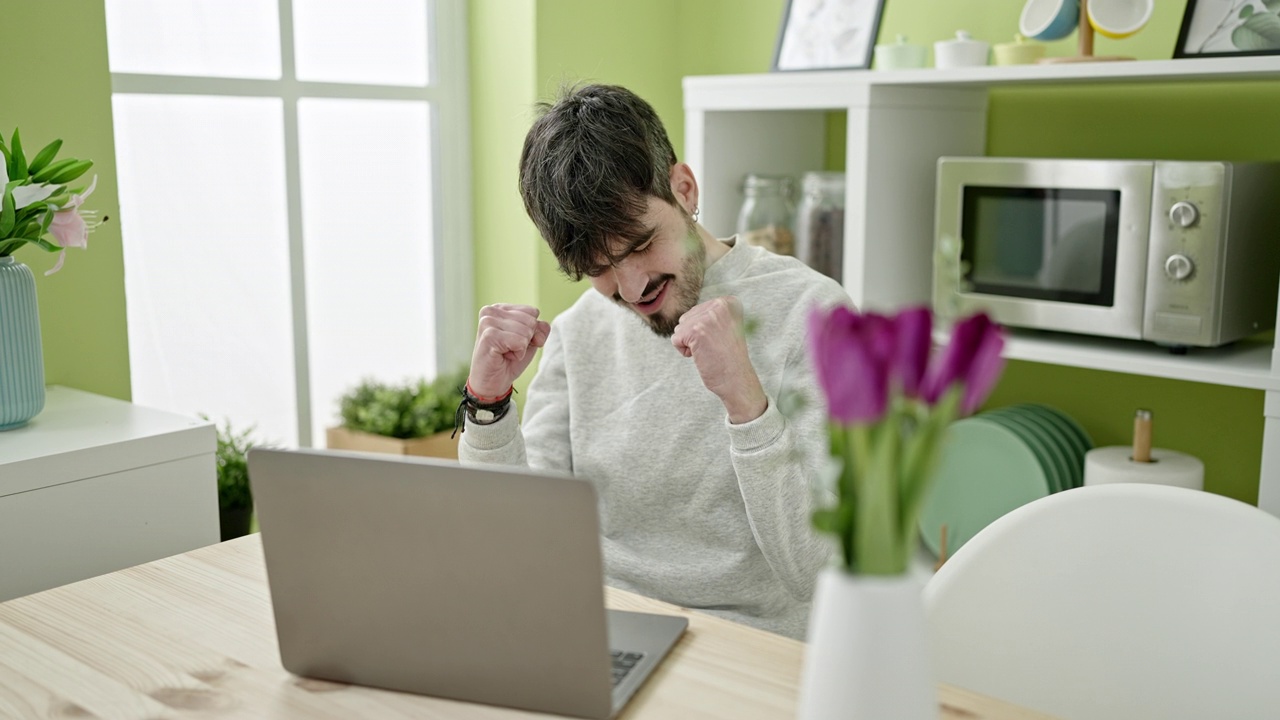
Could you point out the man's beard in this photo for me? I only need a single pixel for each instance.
(684, 290)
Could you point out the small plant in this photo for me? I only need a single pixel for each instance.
(407, 410)
(233, 469)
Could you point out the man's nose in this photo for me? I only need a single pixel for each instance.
(631, 281)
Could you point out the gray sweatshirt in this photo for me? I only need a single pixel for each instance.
(693, 510)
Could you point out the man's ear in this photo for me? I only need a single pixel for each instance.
(685, 186)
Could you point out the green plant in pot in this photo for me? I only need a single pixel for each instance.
(409, 418)
(235, 499)
(38, 207)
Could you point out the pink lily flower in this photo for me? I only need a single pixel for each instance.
(69, 226)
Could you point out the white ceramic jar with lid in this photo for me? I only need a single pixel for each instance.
(900, 55)
(963, 51)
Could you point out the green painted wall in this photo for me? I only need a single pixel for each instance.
(651, 46)
(66, 93)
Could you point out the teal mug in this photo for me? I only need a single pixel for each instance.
(1046, 20)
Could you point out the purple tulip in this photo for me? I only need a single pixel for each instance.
(851, 353)
(914, 328)
(973, 358)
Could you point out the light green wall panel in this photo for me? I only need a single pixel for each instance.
(66, 93)
(727, 37)
(501, 42)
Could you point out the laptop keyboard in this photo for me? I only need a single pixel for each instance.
(623, 662)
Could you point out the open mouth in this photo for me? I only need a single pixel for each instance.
(654, 301)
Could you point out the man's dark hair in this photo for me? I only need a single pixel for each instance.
(590, 163)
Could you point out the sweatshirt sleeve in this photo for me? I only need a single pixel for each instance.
(545, 427)
(777, 458)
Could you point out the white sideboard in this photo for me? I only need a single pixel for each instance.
(899, 124)
(92, 485)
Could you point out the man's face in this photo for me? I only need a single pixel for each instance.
(659, 278)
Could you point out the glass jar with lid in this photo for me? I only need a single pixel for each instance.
(820, 223)
(767, 217)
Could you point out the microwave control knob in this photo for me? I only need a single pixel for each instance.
(1184, 214)
(1179, 267)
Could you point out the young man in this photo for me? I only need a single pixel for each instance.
(663, 384)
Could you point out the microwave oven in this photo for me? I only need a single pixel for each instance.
(1178, 253)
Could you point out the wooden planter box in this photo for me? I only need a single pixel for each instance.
(439, 445)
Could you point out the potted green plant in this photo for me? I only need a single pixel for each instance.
(235, 499)
(409, 418)
(38, 207)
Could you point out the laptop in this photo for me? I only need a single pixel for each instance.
(426, 576)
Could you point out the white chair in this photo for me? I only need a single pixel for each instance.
(1124, 601)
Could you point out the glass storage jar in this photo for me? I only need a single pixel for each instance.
(820, 223)
(767, 217)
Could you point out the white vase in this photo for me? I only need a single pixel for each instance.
(868, 652)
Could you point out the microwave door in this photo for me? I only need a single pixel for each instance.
(1054, 257)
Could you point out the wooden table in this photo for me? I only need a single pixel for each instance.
(193, 636)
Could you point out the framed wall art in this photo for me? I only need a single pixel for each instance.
(1228, 28)
(827, 34)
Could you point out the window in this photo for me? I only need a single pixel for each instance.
(295, 201)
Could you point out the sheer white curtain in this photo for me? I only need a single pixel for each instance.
(281, 203)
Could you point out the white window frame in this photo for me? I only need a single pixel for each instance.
(447, 96)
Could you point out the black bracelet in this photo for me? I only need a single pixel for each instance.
(478, 412)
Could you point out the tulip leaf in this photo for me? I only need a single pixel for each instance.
(45, 245)
(43, 157)
(18, 165)
(7, 214)
(46, 222)
(1246, 11)
(1260, 32)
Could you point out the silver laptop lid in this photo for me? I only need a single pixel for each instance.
(425, 576)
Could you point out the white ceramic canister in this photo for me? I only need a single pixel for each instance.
(900, 55)
(963, 51)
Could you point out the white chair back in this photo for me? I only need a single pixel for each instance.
(1122, 602)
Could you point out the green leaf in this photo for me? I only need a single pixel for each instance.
(7, 214)
(48, 172)
(45, 245)
(43, 157)
(18, 165)
(1246, 11)
(1272, 5)
(1260, 32)
(72, 172)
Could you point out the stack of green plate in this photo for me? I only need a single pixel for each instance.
(997, 461)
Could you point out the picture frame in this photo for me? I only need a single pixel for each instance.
(1229, 28)
(827, 35)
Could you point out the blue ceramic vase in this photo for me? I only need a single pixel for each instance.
(21, 360)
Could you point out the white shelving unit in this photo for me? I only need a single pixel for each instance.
(899, 124)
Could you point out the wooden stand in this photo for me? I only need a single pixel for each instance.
(1085, 34)
(1142, 436)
